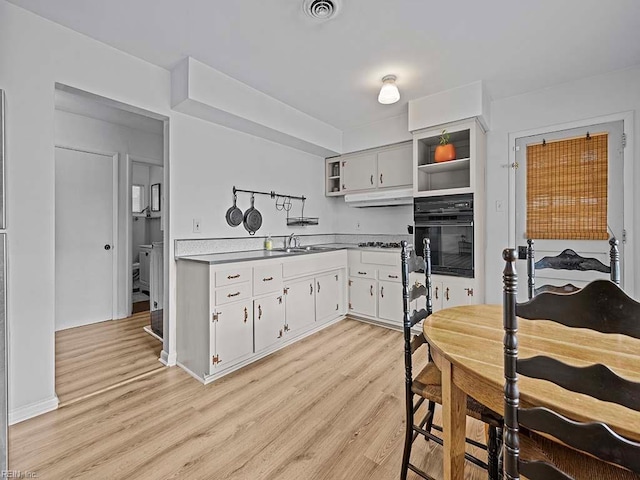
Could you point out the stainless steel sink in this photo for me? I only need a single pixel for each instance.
(307, 249)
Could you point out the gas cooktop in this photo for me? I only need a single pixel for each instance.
(380, 244)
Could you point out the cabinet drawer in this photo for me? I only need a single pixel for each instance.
(363, 272)
(380, 258)
(233, 293)
(310, 264)
(267, 279)
(232, 276)
(389, 275)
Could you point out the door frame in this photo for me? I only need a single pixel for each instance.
(128, 229)
(629, 176)
(115, 220)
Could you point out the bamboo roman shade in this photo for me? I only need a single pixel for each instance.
(567, 189)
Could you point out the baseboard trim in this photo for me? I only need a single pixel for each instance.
(21, 414)
(168, 360)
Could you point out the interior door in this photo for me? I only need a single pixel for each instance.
(587, 248)
(84, 233)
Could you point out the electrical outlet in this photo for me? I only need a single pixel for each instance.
(358, 226)
(196, 225)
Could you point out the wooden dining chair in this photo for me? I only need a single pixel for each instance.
(427, 384)
(569, 260)
(601, 306)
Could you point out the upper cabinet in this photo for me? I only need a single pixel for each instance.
(378, 168)
(462, 174)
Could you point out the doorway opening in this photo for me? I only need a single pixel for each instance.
(104, 313)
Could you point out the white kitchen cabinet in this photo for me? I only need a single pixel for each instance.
(360, 172)
(450, 292)
(268, 321)
(329, 293)
(231, 337)
(229, 315)
(395, 167)
(390, 301)
(379, 168)
(363, 296)
(300, 306)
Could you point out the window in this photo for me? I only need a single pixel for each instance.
(137, 198)
(567, 188)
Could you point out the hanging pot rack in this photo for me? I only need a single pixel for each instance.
(283, 202)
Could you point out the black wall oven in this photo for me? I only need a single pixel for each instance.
(448, 222)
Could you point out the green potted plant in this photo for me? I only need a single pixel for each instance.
(445, 151)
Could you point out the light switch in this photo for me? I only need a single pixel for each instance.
(196, 225)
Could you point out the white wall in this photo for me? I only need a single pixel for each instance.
(205, 161)
(377, 134)
(570, 102)
(79, 131)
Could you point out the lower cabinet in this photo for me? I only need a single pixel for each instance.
(452, 293)
(329, 294)
(300, 306)
(268, 321)
(231, 314)
(231, 334)
(390, 301)
(362, 296)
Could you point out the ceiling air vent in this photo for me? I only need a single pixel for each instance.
(321, 9)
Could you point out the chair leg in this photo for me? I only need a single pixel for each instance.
(408, 438)
(493, 452)
(431, 408)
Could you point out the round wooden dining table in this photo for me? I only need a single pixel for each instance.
(466, 344)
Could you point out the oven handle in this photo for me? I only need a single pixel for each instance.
(444, 224)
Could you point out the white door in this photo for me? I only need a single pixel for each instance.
(84, 229)
(233, 336)
(360, 172)
(395, 167)
(390, 301)
(598, 249)
(362, 296)
(328, 293)
(300, 306)
(268, 321)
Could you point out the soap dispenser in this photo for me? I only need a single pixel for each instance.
(268, 243)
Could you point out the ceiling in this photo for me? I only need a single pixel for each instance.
(332, 70)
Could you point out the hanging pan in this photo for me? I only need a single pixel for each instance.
(234, 214)
(252, 219)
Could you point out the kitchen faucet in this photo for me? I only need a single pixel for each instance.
(293, 238)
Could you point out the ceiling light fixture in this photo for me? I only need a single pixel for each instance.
(389, 92)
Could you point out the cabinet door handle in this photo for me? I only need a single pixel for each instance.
(318, 287)
(268, 279)
(343, 187)
(362, 273)
(436, 293)
(337, 306)
(311, 289)
(382, 292)
(336, 278)
(259, 312)
(446, 294)
(371, 179)
(380, 178)
(246, 314)
(392, 276)
(231, 277)
(280, 335)
(371, 290)
(280, 300)
(229, 295)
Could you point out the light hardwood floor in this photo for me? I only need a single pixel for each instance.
(94, 357)
(329, 407)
